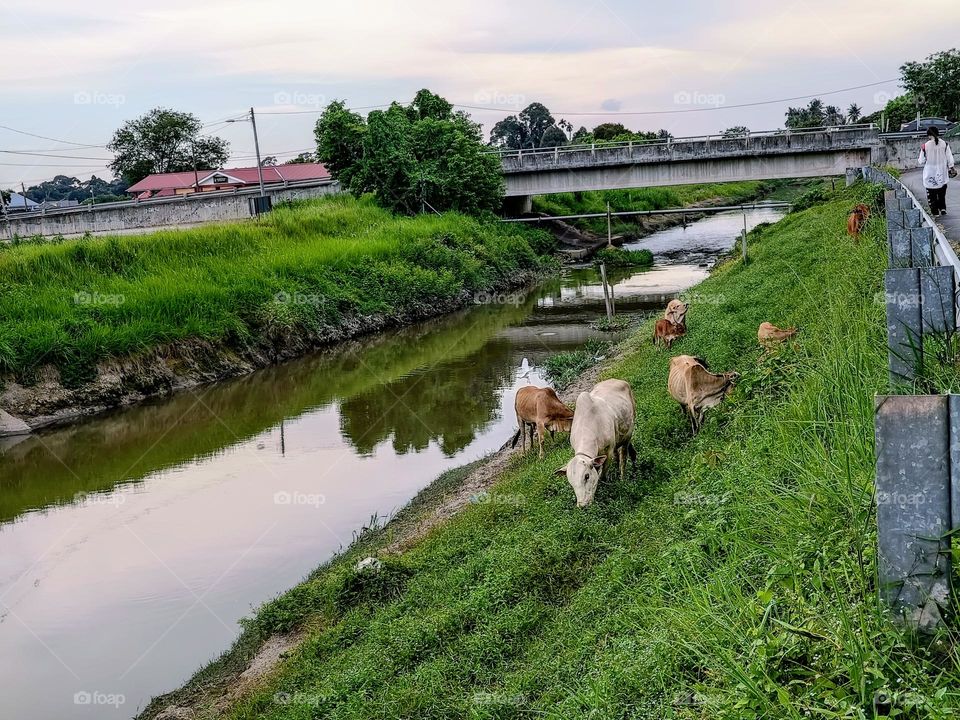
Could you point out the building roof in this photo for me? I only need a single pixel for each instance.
(19, 202)
(235, 176)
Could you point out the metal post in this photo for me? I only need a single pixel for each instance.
(744, 241)
(256, 147)
(609, 227)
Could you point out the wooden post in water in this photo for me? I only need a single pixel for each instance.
(607, 299)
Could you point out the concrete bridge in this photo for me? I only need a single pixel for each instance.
(778, 154)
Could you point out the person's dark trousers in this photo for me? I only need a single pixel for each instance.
(937, 199)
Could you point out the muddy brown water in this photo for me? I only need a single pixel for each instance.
(132, 543)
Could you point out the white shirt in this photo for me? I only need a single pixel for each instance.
(936, 159)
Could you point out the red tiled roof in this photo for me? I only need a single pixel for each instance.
(247, 176)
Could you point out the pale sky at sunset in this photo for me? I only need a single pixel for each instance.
(75, 71)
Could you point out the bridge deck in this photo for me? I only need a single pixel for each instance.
(949, 224)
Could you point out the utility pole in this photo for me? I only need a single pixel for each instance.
(256, 146)
(609, 231)
(744, 241)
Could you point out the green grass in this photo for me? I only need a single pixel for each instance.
(302, 271)
(618, 257)
(644, 199)
(732, 576)
(563, 368)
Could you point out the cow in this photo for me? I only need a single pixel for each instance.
(676, 312)
(665, 332)
(602, 429)
(542, 409)
(696, 388)
(857, 219)
(769, 334)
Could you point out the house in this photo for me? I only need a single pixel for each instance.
(185, 183)
(19, 203)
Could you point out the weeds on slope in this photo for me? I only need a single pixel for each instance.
(731, 576)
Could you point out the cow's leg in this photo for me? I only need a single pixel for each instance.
(622, 456)
(541, 431)
(523, 433)
(693, 418)
(633, 454)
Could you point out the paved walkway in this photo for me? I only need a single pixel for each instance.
(950, 224)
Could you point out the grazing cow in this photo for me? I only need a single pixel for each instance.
(602, 429)
(857, 219)
(541, 408)
(665, 332)
(769, 334)
(696, 388)
(676, 312)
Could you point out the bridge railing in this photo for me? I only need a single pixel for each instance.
(629, 144)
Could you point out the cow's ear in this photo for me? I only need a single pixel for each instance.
(561, 472)
(599, 460)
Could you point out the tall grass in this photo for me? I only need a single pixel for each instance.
(731, 576)
(303, 269)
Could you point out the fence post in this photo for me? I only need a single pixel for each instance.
(913, 506)
(921, 244)
(904, 330)
(899, 247)
(938, 300)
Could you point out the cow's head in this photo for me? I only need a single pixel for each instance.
(676, 311)
(560, 424)
(583, 474)
(731, 378)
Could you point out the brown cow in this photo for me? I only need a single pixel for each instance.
(696, 388)
(541, 408)
(676, 311)
(665, 332)
(769, 334)
(857, 219)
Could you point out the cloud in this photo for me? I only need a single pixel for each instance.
(611, 104)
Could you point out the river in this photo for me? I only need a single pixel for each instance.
(133, 542)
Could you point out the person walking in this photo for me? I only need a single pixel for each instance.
(937, 161)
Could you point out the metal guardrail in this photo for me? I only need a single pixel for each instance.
(605, 145)
(665, 211)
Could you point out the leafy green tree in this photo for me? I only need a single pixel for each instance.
(412, 158)
(815, 114)
(268, 161)
(582, 135)
(608, 131)
(340, 135)
(854, 113)
(523, 131)
(736, 131)
(302, 159)
(934, 84)
(553, 137)
(899, 110)
(164, 141)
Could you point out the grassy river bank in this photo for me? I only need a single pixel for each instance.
(731, 576)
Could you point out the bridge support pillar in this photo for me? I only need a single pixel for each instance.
(517, 205)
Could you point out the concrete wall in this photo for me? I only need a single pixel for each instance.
(688, 172)
(164, 212)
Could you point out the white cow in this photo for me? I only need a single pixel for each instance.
(602, 425)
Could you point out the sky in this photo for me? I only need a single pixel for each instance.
(75, 72)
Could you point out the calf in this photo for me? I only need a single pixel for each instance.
(769, 334)
(602, 427)
(541, 408)
(857, 219)
(696, 388)
(665, 332)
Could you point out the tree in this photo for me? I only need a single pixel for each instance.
(934, 84)
(854, 113)
(302, 158)
(525, 131)
(164, 141)
(608, 131)
(582, 135)
(411, 158)
(268, 161)
(340, 137)
(736, 131)
(553, 137)
(664, 134)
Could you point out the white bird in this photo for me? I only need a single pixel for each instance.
(525, 369)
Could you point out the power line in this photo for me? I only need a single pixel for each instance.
(692, 110)
(44, 137)
(52, 155)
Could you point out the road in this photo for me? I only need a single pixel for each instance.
(950, 223)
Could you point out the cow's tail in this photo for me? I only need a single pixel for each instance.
(516, 438)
